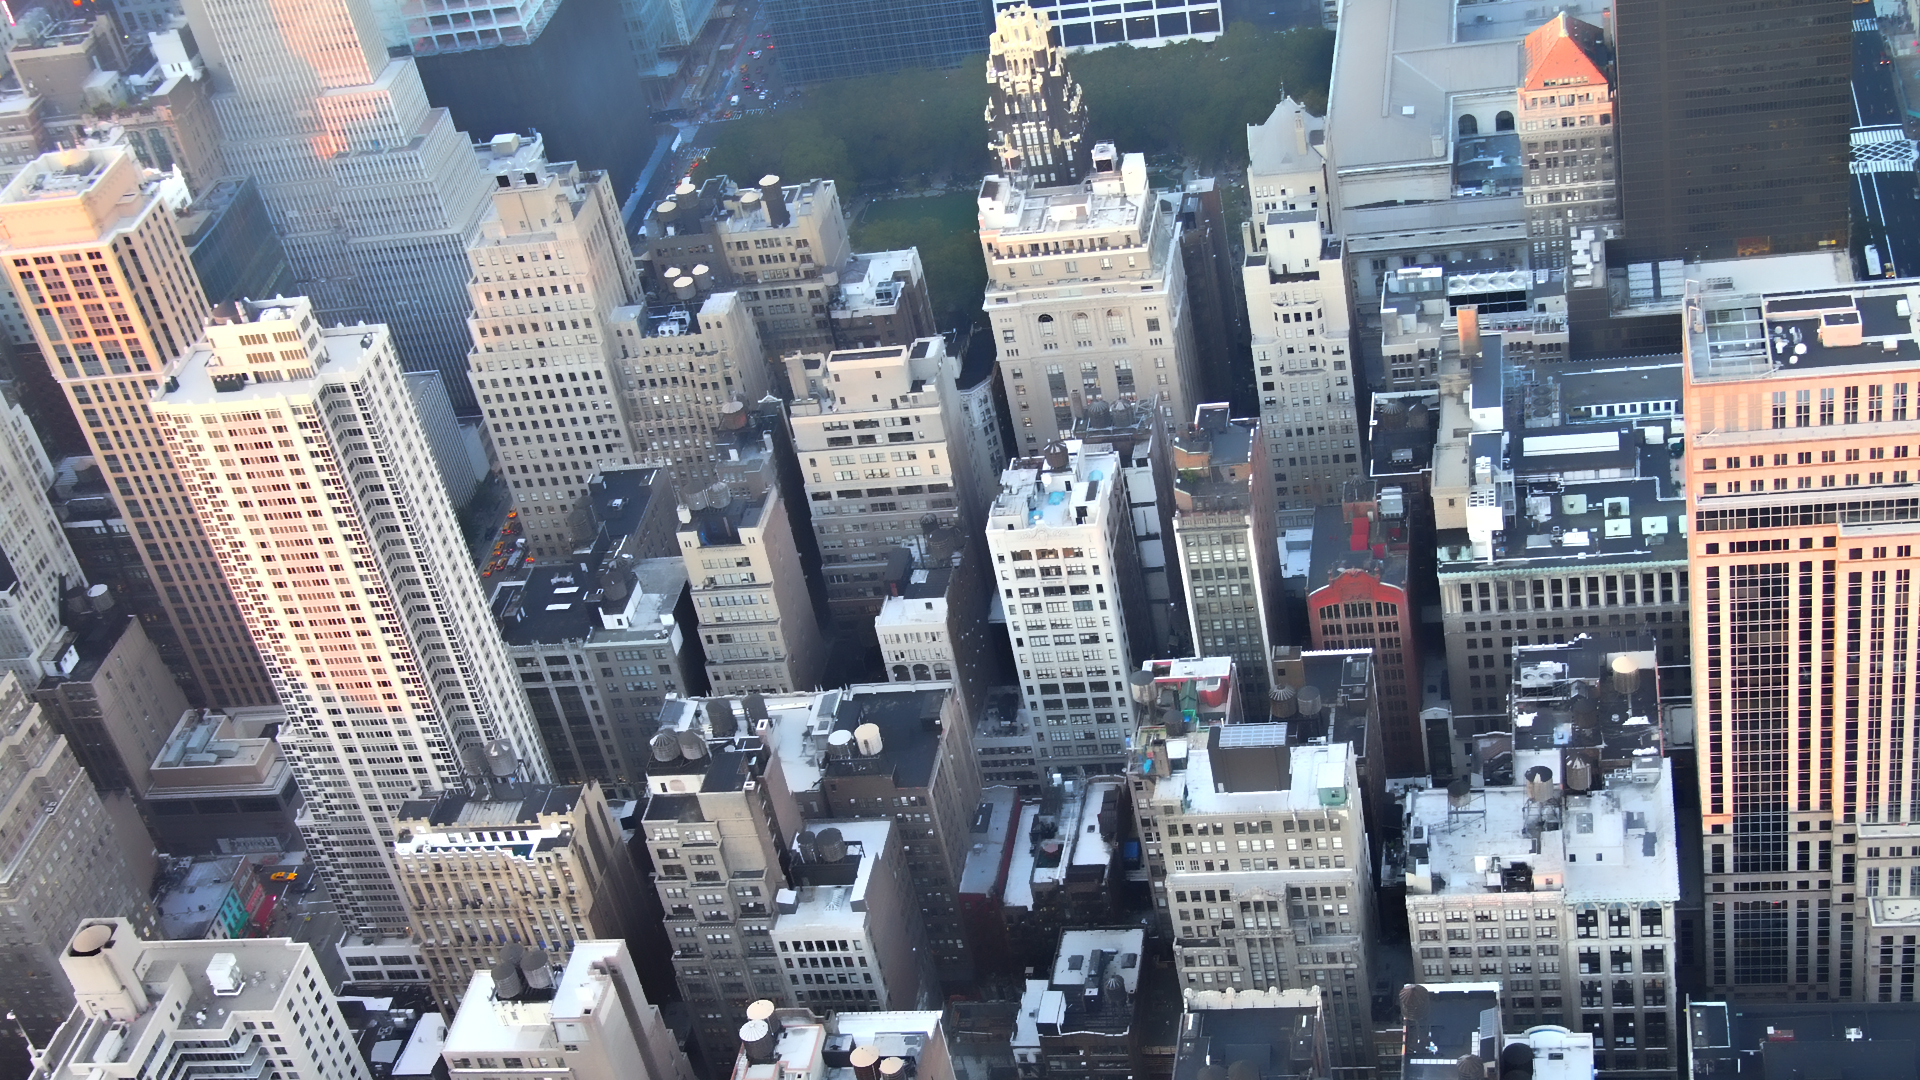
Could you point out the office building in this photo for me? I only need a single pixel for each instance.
(61, 215)
(1059, 349)
(1213, 300)
(370, 187)
(221, 784)
(775, 243)
(846, 927)
(1286, 1030)
(1566, 841)
(1062, 518)
(68, 855)
(882, 449)
(1793, 197)
(686, 369)
(1223, 534)
(757, 623)
(1298, 314)
(1577, 480)
(1036, 114)
(1083, 1022)
(116, 702)
(549, 267)
(164, 114)
(881, 300)
(158, 1006)
(1333, 696)
(1074, 29)
(590, 1020)
(1139, 434)
(1360, 596)
(445, 439)
(599, 642)
(1278, 921)
(1571, 184)
(886, 750)
(1808, 395)
(845, 40)
(424, 675)
(933, 628)
(37, 565)
(231, 242)
(1054, 865)
(58, 60)
(658, 38)
(807, 1046)
(709, 828)
(534, 865)
(451, 29)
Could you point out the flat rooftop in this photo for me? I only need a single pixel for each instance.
(1586, 524)
(1460, 1019)
(909, 742)
(988, 837)
(1784, 335)
(1376, 548)
(1316, 778)
(1833, 1041)
(1281, 1043)
(1036, 494)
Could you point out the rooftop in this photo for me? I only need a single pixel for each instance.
(572, 603)
(988, 838)
(1581, 523)
(1069, 484)
(1250, 768)
(1095, 977)
(1402, 431)
(1446, 1022)
(1613, 845)
(509, 822)
(1278, 1033)
(1834, 1041)
(876, 281)
(1288, 141)
(905, 716)
(833, 863)
(1213, 458)
(1584, 694)
(487, 1024)
(210, 753)
(1786, 334)
(1373, 546)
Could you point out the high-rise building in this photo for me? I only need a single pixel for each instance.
(445, 436)
(886, 750)
(1359, 596)
(850, 919)
(232, 244)
(881, 300)
(1081, 32)
(68, 856)
(36, 563)
(1287, 1026)
(115, 703)
(799, 1040)
(1673, 56)
(545, 862)
(1061, 541)
(1561, 840)
(395, 682)
(1139, 434)
(1089, 1008)
(686, 368)
(757, 621)
(1087, 293)
(934, 627)
(1800, 426)
(1567, 86)
(1224, 539)
(1036, 114)
(550, 265)
(147, 1007)
(882, 449)
(94, 252)
(709, 828)
(1279, 920)
(371, 188)
(846, 39)
(595, 1012)
(776, 243)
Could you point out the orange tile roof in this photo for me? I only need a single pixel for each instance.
(1563, 52)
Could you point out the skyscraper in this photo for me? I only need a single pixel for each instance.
(353, 574)
(36, 561)
(1036, 115)
(1801, 431)
(371, 188)
(1570, 180)
(94, 254)
(550, 265)
(1223, 534)
(1719, 158)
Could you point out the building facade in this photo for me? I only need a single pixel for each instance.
(1061, 347)
(1036, 114)
(686, 369)
(1080, 32)
(534, 865)
(372, 190)
(419, 694)
(63, 215)
(845, 40)
(1359, 597)
(1067, 570)
(848, 930)
(1224, 538)
(1567, 85)
(549, 267)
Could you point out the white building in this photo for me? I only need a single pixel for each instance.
(192, 1009)
(1064, 560)
(35, 559)
(549, 266)
(354, 579)
(370, 187)
(1083, 32)
(882, 448)
(1088, 296)
(595, 1023)
(686, 368)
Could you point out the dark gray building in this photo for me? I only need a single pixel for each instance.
(232, 244)
(841, 39)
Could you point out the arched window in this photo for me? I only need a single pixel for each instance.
(899, 673)
(921, 673)
(1116, 322)
(940, 672)
(1469, 125)
(1503, 121)
(1082, 326)
(1046, 326)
